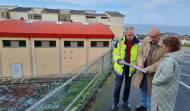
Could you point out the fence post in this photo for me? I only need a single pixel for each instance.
(102, 66)
(87, 57)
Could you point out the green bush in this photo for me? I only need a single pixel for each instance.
(186, 45)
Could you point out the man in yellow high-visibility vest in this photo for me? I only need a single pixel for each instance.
(125, 49)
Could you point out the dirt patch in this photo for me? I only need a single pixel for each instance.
(13, 96)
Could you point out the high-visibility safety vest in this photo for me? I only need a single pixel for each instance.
(120, 53)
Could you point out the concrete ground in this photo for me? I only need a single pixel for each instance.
(104, 97)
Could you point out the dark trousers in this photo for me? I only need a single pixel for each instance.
(126, 89)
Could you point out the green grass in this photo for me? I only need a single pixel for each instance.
(186, 45)
(91, 90)
(74, 93)
(74, 90)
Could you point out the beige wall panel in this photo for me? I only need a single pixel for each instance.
(78, 18)
(117, 30)
(72, 57)
(18, 15)
(50, 17)
(95, 52)
(92, 20)
(47, 59)
(116, 20)
(104, 21)
(15, 56)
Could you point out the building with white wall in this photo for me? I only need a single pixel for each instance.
(21, 12)
(116, 22)
(50, 14)
(113, 20)
(78, 16)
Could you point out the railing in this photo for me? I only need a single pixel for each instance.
(76, 91)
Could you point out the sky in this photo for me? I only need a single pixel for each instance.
(162, 12)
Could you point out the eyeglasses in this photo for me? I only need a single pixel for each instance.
(130, 35)
(154, 37)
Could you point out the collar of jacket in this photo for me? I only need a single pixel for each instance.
(135, 40)
(159, 42)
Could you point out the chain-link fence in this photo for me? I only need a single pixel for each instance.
(72, 91)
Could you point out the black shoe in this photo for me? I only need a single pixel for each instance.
(140, 108)
(127, 105)
(114, 107)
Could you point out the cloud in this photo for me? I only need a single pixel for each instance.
(88, 2)
(158, 12)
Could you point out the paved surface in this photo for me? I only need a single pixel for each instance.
(186, 50)
(104, 97)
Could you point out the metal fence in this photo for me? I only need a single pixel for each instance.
(72, 91)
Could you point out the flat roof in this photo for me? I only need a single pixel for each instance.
(21, 9)
(116, 14)
(32, 28)
(78, 12)
(50, 11)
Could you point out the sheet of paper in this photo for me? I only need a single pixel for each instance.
(136, 67)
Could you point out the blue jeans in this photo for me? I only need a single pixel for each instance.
(145, 99)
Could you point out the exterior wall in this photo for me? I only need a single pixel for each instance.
(3, 14)
(104, 21)
(116, 20)
(117, 30)
(95, 52)
(47, 59)
(18, 15)
(36, 10)
(92, 19)
(15, 56)
(116, 26)
(72, 57)
(50, 16)
(78, 18)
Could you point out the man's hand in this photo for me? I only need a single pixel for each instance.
(145, 69)
(141, 65)
(120, 62)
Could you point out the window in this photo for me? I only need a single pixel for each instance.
(104, 17)
(2, 14)
(64, 19)
(22, 43)
(73, 43)
(14, 43)
(29, 16)
(6, 43)
(37, 16)
(38, 44)
(99, 43)
(45, 44)
(90, 17)
(52, 43)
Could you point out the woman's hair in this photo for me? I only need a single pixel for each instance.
(173, 43)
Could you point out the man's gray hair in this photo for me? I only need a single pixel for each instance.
(129, 28)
